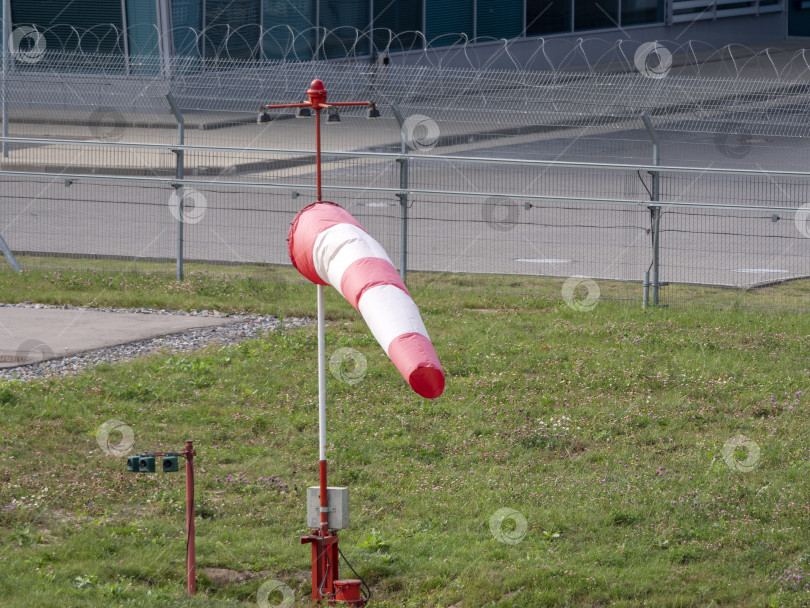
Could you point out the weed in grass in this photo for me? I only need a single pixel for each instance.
(373, 542)
(7, 396)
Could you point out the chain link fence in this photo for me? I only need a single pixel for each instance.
(674, 166)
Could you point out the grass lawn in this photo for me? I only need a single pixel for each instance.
(604, 430)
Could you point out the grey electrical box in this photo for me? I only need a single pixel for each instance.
(338, 507)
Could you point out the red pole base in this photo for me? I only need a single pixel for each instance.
(324, 565)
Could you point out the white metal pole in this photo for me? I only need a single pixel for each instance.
(321, 376)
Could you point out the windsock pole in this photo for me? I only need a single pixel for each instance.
(327, 552)
(324, 542)
(321, 349)
(324, 551)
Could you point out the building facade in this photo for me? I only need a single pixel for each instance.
(298, 28)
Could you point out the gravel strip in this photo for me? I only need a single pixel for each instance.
(238, 328)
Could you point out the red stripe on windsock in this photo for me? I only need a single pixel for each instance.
(307, 225)
(415, 358)
(365, 273)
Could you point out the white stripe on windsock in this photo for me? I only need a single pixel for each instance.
(376, 305)
(336, 248)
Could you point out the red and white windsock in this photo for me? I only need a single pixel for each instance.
(329, 247)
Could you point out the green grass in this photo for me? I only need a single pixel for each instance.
(604, 430)
(247, 287)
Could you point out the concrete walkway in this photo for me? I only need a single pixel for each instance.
(30, 335)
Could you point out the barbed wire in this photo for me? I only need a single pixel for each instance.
(526, 83)
(218, 45)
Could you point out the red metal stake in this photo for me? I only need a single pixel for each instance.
(191, 560)
(189, 453)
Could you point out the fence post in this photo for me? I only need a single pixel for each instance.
(181, 124)
(655, 211)
(6, 50)
(6, 251)
(403, 196)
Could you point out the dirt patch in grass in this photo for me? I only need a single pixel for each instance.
(221, 577)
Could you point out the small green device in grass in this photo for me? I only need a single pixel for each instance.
(132, 463)
(146, 464)
(170, 464)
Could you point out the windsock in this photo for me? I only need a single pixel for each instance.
(329, 247)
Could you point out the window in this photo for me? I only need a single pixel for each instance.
(280, 42)
(402, 17)
(186, 24)
(142, 28)
(448, 17)
(547, 17)
(104, 17)
(635, 12)
(143, 37)
(222, 17)
(596, 14)
(338, 19)
(499, 18)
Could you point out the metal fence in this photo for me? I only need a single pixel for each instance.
(680, 165)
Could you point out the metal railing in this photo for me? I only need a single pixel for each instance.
(466, 211)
